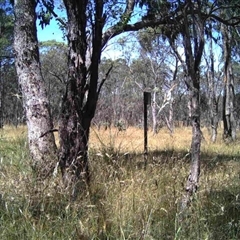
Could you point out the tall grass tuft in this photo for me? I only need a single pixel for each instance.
(124, 200)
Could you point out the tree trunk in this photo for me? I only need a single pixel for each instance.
(74, 136)
(79, 102)
(40, 138)
(213, 102)
(154, 112)
(169, 119)
(214, 119)
(73, 124)
(1, 96)
(194, 114)
(193, 55)
(229, 120)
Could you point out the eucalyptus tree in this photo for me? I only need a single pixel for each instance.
(86, 38)
(224, 35)
(229, 113)
(212, 82)
(162, 67)
(115, 94)
(42, 146)
(150, 71)
(190, 29)
(230, 51)
(192, 34)
(90, 25)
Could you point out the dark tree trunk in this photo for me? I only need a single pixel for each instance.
(229, 119)
(79, 102)
(41, 140)
(85, 38)
(214, 119)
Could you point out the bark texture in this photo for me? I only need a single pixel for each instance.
(194, 114)
(1, 96)
(213, 100)
(42, 149)
(229, 119)
(84, 33)
(193, 47)
(154, 113)
(85, 40)
(80, 99)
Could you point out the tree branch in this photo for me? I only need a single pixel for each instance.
(116, 29)
(104, 79)
(54, 14)
(156, 22)
(129, 7)
(57, 76)
(49, 131)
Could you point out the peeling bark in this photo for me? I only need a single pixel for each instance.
(80, 100)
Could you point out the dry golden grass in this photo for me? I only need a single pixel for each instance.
(124, 200)
(12, 133)
(132, 140)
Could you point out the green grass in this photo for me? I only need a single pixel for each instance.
(124, 201)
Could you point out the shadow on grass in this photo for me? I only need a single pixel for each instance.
(208, 161)
(222, 212)
(214, 214)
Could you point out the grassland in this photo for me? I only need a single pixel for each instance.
(124, 200)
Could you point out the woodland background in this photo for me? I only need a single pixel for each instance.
(186, 53)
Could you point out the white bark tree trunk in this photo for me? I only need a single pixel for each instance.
(193, 56)
(154, 112)
(212, 98)
(41, 141)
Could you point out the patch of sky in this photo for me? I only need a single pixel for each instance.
(52, 31)
(117, 47)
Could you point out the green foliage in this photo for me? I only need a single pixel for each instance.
(6, 29)
(44, 18)
(159, 8)
(52, 45)
(47, 11)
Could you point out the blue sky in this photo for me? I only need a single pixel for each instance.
(50, 32)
